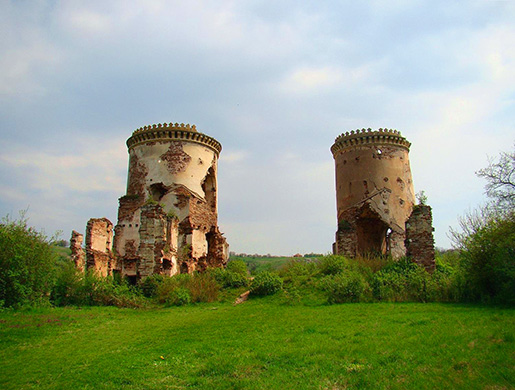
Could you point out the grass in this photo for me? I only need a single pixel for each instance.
(259, 264)
(260, 344)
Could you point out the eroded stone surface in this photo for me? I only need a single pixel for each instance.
(168, 221)
(419, 237)
(99, 241)
(374, 191)
(77, 250)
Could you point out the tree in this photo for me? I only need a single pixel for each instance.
(487, 238)
(500, 188)
(500, 176)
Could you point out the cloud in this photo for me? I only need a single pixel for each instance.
(274, 82)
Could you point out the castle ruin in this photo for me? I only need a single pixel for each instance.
(168, 219)
(375, 198)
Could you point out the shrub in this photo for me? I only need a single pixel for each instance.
(403, 281)
(238, 267)
(67, 285)
(89, 289)
(27, 264)
(150, 284)
(344, 287)
(332, 264)
(229, 279)
(179, 297)
(266, 283)
(202, 287)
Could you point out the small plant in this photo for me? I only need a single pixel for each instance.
(179, 297)
(237, 266)
(172, 214)
(344, 287)
(266, 283)
(421, 198)
(150, 284)
(332, 265)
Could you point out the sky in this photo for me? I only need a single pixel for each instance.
(274, 81)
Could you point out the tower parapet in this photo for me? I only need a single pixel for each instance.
(368, 136)
(172, 132)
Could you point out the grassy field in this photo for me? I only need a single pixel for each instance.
(259, 264)
(260, 344)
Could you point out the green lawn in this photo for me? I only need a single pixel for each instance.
(260, 344)
(259, 264)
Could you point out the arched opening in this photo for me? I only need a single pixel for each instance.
(371, 234)
(209, 188)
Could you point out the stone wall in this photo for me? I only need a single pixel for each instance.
(77, 250)
(419, 237)
(158, 242)
(99, 241)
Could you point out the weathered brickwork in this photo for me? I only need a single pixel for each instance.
(168, 221)
(99, 242)
(419, 237)
(375, 196)
(77, 250)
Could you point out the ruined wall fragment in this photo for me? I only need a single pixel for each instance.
(419, 237)
(99, 240)
(77, 254)
(158, 242)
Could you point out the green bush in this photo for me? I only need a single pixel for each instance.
(228, 278)
(27, 264)
(332, 264)
(238, 267)
(202, 287)
(67, 285)
(266, 283)
(150, 284)
(344, 287)
(179, 297)
(403, 281)
(88, 289)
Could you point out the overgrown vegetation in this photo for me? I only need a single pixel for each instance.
(27, 264)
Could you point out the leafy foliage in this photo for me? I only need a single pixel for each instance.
(488, 261)
(88, 289)
(27, 264)
(344, 287)
(266, 283)
(201, 287)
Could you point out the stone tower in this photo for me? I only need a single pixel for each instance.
(168, 220)
(374, 192)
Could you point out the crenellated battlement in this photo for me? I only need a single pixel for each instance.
(172, 132)
(368, 136)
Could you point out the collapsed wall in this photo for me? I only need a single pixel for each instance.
(374, 193)
(77, 252)
(99, 244)
(420, 244)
